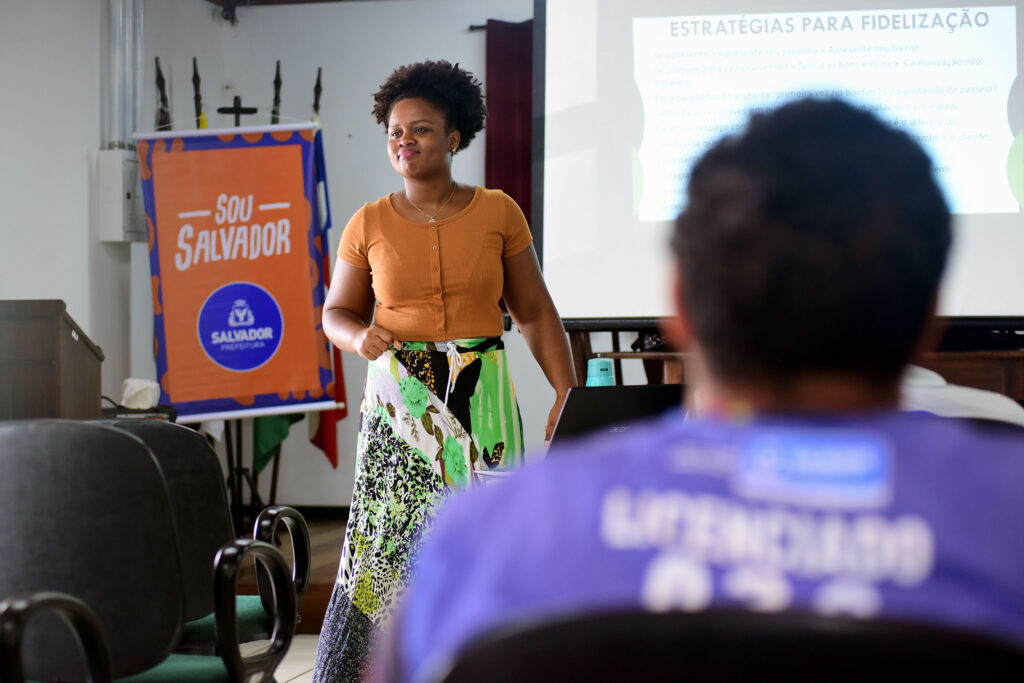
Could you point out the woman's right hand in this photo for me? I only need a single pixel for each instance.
(347, 309)
(373, 341)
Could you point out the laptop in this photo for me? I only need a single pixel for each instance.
(591, 410)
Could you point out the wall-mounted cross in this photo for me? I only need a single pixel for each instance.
(237, 109)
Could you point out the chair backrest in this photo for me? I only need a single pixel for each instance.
(84, 511)
(199, 502)
(730, 646)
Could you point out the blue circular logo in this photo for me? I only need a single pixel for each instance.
(240, 326)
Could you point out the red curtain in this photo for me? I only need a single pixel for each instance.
(509, 109)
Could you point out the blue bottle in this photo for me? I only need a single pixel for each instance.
(600, 372)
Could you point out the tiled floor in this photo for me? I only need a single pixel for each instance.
(298, 663)
(297, 666)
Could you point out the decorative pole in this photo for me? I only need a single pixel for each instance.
(163, 110)
(197, 99)
(316, 96)
(275, 113)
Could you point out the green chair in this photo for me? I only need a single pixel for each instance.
(86, 513)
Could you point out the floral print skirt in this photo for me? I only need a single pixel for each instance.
(433, 415)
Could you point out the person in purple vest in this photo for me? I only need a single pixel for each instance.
(808, 257)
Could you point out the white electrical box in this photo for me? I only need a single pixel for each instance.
(120, 211)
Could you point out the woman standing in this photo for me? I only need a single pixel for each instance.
(416, 292)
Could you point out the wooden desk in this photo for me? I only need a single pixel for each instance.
(48, 366)
(666, 366)
(671, 365)
(998, 371)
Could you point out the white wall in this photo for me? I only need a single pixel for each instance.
(358, 44)
(50, 61)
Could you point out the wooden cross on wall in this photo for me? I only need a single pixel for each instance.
(237, 109)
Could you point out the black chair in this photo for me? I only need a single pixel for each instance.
(85, 512)
(730, 646)
(203, 518)
(15, 614)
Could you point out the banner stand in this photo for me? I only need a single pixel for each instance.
(243, 515)
(234, 224)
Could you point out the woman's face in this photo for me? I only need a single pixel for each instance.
(419, 142)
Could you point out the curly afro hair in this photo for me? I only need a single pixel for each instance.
(454, 91)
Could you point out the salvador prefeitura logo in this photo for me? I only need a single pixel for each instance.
(240, 326)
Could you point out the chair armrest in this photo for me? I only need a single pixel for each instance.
(15, 614)
(298, 530)
(260, 666)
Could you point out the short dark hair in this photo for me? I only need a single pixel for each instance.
(454, 91)
(814, 241)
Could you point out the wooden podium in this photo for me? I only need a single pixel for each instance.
(48, 367)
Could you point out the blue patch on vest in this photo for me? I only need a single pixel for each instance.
(820, 468)
(240, 326)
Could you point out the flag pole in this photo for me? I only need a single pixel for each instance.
(163, 109)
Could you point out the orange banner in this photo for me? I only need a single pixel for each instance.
(235, 252)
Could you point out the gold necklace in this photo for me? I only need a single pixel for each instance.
(430, 217)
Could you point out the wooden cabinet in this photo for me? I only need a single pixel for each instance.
(48, 367)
